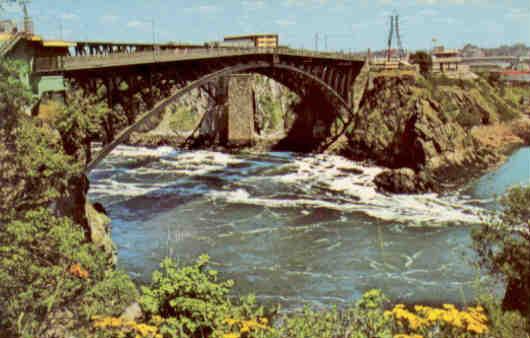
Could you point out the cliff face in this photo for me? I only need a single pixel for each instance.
(403, 122)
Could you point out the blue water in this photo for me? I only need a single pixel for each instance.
(296, 229)
(515, 171)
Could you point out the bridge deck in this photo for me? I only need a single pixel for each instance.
(74, 63)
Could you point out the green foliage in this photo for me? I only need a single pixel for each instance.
(503, 247)
(80, 122)
(469, 118)
(193, 302)
(183, 119)
(364, 319)
(273, 115)
(47, 268)
(503, 324)
(423, 59)
(33, 167)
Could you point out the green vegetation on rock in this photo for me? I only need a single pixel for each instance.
(503, 247)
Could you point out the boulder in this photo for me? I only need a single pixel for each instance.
(404, 181)
(98, 225)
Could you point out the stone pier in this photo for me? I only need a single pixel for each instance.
(240, 110)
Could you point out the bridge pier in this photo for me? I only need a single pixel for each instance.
(230, 119)
(240, 110)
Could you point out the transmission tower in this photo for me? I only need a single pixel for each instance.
(28, 23)
(394, 27)
(390, 34)
(401, 51)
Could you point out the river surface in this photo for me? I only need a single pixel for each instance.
(295, 229)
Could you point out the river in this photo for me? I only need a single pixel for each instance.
(295, 229)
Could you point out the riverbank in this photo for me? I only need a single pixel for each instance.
(504, 137)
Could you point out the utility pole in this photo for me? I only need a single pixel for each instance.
(316, 41)
(154, 37)
(325, 42)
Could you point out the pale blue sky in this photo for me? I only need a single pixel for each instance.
(349, 24)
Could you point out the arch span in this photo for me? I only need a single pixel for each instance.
(163, 104)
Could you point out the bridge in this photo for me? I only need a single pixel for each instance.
(326, 79)
(145, 79)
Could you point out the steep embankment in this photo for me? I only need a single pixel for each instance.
(421, 130)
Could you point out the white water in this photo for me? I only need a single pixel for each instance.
(290, 228)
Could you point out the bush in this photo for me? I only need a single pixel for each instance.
(468, 118)
(47, 271)
(364, 319)
(503, 248)
(33, 168)
(191, 302)
(424, 60)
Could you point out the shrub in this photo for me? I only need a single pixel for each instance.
(364, 319)
(468, 118)
(503, 247)
(423, 59)
(190, 301)
(33, 168)
(47, 270)
(79, 122)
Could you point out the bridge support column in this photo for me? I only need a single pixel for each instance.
(240, 110)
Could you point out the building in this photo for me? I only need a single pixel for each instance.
(30, 48)
(8, 26)
(382, 64)
(515, 76)
(252, 40)
(447, 61)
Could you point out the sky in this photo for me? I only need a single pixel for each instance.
(349, 25)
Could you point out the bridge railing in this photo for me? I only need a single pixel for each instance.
(62, 63)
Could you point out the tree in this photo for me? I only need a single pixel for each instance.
(34, 170)
(80, 121)
(503, 247)
(424, 60)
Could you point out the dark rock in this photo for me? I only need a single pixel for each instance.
(72, 204)
(100, 208)
(404, 181)
(354, 171)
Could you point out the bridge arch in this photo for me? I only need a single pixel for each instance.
(228, 70)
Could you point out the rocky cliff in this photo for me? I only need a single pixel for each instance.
(420, 129)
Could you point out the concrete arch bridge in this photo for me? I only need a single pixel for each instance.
(325, 81)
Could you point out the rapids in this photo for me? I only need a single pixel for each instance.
(295, 229)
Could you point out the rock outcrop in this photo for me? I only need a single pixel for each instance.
(404, 180)
(92, 218)
(401, 125)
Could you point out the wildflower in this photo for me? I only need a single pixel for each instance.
(78, 271)
(230, 321)
(231, 335)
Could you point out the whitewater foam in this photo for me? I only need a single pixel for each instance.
(313, 181)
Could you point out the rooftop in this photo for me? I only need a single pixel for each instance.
(249, 36)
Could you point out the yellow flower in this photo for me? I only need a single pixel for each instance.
(231, 321)
(231, 335)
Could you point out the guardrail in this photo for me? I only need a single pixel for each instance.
(65, 63)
